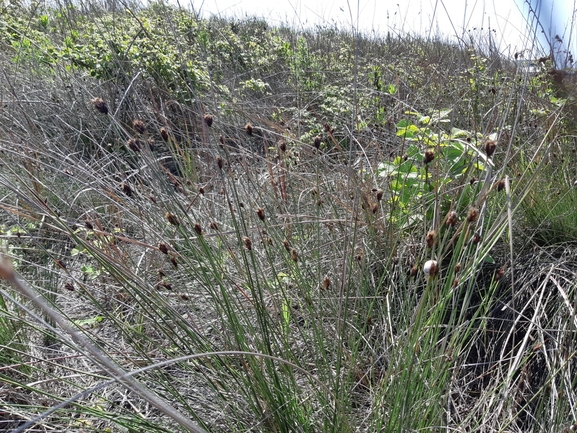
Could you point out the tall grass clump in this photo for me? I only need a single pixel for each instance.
(217, 225)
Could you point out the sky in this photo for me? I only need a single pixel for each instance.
(505, 20)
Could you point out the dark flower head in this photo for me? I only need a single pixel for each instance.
(490, 147)
(100, 105)
(318, 140)
(208, 119)
(139, 126)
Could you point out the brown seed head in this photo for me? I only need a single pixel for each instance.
(184, 296)
(477, 238)
(318, 140)
(286, 245)
(413, 271)
(172, 219)
(163, 248)
(457, 267)
(326, 283)
(294, 255)
(198, 229)
(248, 128)
(219, 162)
(139, 126)
(208, 119)
(88, 225)
(201, 190)
(174, 262)
(380, 193)
(452, 219)
(500, 273)
(69, 286)
(133, 144)
(260, 213)
(164, 285)
(490, 147)
(501, 185)
(472, 181)
(429, 156)
(430, 239)
(126, 189)
(164, 134)
(100, 105)
(472, 215)
(247, 243)
(282, 146)
(213, 226)
(455, 282)
(431, 268)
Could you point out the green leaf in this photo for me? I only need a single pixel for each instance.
(77, 250)
(425, 120)
(459, 133)
(90, 322)
(409, 131)
(386, 168)
(489, 259)
(441, 116)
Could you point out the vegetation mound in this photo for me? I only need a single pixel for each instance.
(219, 225)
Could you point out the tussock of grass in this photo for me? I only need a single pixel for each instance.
(223, 226)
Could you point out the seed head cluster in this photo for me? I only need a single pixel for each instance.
(429, 156)
(100, 105)
(294, 255)
(317, 142)
(260, 213)
(133, 144)
(452, 219)
(472, 215)
(139, 126)
(490, 147)
(172, 219)
(208, 119)
(247, 243)
(430, 239)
